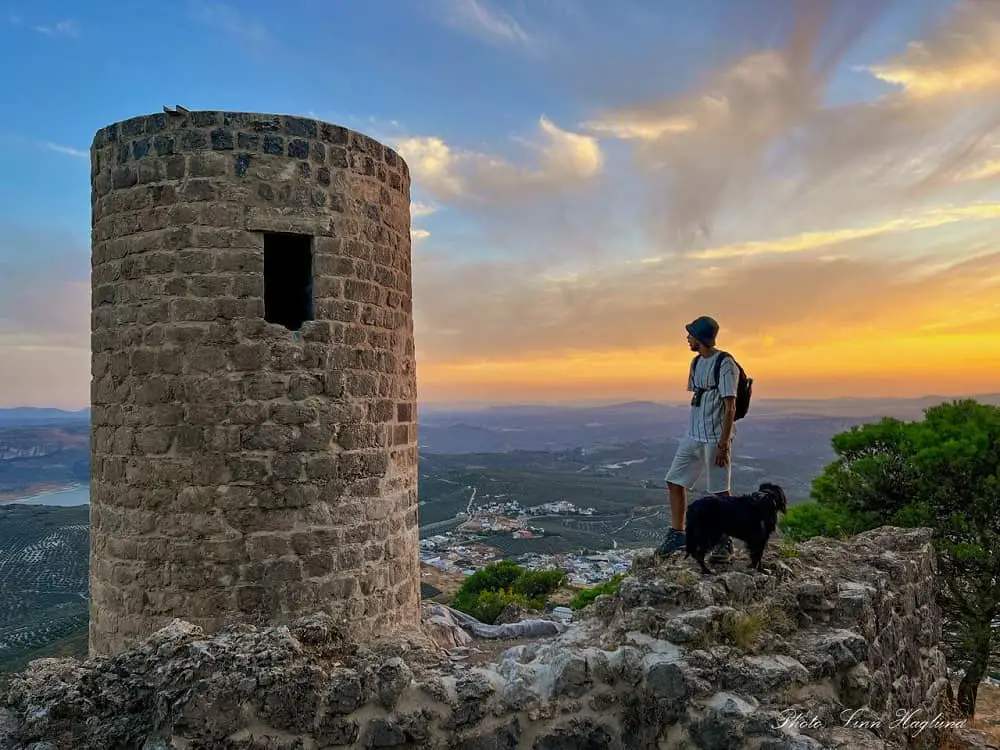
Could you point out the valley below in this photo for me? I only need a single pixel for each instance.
(580, 489)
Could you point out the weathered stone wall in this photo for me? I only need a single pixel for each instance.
(242, 472)
(821, 654)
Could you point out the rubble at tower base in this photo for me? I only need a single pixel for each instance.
(837, 647)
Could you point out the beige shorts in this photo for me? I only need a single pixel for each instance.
(694, 460)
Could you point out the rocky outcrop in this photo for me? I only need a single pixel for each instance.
(836, 647)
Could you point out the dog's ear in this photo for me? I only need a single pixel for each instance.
(780, 499)
(777, 495)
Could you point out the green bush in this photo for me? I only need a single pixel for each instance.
(537, 584)
(486, 592)
(498, 576)
(587, 596)
(814, 519)
(486, 606)
(941, 472)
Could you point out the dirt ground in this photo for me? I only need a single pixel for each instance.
(988, 711)
(447, 583)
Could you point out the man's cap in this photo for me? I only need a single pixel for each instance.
(703, 329)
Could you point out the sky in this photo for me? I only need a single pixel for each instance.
(821, 176)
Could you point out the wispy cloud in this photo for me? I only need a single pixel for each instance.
(986, 170)
(23, 142)
(479, 18)
(811, 241)
(230, 20)
(452, 175)
(68, 150)
(419, 234)
(67, 28)
(959, 58)
(418, 210)
(762, 117)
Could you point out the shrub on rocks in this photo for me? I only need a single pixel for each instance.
(489, 591)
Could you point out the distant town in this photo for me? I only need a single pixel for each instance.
(467, 548)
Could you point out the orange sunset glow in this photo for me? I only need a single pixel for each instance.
(823, 179)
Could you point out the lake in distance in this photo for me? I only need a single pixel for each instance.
(76, 495)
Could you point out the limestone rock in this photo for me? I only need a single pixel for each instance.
(676, 660)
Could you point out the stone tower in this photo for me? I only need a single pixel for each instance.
(254, 442)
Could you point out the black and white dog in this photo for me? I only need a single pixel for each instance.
(750, 518)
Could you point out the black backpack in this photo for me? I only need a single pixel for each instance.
(744, 384)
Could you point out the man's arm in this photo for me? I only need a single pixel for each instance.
(722, 457)
(728, 419)
(728, 375)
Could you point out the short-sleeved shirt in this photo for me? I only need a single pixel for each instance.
(706, 418)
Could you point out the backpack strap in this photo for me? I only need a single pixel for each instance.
(718, 366)
(694, 363)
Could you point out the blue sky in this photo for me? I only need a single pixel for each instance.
(82, 64)
(546, 216)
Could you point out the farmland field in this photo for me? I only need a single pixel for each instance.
(43, 578)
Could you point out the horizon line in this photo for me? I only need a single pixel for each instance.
(585, 403)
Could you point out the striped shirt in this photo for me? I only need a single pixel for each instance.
(706, 418)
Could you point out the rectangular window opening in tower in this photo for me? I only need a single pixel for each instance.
(288, 279)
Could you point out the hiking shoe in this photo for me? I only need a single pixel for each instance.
(676, 540)
(723, 551)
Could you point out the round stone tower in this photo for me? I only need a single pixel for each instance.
(254, 441)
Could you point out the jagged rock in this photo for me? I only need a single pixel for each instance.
(855, 686)
(576, 734)
(722, 724)
(690, 626)
(571, 676)
(393, 678)
(966, 738)
(675, 660)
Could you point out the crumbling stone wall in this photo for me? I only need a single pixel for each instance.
(244, 472)
(845, 636)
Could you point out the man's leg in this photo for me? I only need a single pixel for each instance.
(683, 473)
(678, 504)
(719, 480)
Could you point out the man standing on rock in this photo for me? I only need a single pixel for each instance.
(706, 447)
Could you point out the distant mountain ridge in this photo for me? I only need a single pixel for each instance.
(815, 407)
(774, 422)
(35, 415)
(840, 406)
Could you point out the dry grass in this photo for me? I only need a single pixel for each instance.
(685, 578)
(447, 583)
(788, 549)
(743, 627)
